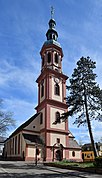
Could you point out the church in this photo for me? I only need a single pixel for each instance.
(44, 136)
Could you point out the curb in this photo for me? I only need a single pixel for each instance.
(91, 170)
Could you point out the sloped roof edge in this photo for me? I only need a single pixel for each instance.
(23, 125)
(70, 134)
(73, 143)
(31, 139)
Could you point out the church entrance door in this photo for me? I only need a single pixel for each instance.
(59, 155)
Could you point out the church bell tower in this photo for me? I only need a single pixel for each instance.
(51, 97)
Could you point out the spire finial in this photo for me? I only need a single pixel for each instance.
(52, 12)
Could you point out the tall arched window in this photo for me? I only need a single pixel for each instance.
(42, 88)
(57, 89)
(15, 145)
(49, 57)
(56, 70)
(42, 62)
(73, 153)
(57, 115)
(56, 57)
(19, 144)
(54, 37)
(50, 36)
(41, 118)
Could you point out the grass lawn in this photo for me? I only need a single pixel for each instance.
(82, 165)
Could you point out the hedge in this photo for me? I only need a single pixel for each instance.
(98, 162)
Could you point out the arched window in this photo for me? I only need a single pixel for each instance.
(54, 37)
(56, 58)
(73, 153)
(42, 88)
(41, 118)
(49, 57)
(19, 144)
(42, 62)
(15, 145)
(57, 70)
(57, 89)
(50, 36)
(57, 115)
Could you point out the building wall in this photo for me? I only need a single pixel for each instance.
(13, 146)
(24, 151)
(87, 155)
(31, 151)
(42, 135)
(42, 126)
(53, 111)
(77, 154)
(20, 150)
(1, 148)
(54, 136)
(100, 153)
(34, 125)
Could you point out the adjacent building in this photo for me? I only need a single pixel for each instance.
(2, 139)
(87, 151)
(44, 134)
(99, 145)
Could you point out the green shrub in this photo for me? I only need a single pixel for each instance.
(65, 161)
(68, 161)
(98, 161)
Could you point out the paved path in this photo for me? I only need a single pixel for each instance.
(15, 169)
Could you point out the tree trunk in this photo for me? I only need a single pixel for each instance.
(89, 124)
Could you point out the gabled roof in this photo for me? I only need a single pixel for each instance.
(32, 139)
(70, 134)
(88, 146)
(99, 144)
(21, 127)
(73, 143)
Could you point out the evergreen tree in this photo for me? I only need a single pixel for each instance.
(85, 97)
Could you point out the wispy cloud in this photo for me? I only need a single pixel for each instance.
(24, 109)
(16, 76)
(21, 108)
(82, 134)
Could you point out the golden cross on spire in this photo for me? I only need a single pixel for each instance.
(52, 12)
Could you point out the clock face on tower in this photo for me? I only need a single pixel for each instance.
(57, 80)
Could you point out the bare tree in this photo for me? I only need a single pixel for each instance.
(6, 120)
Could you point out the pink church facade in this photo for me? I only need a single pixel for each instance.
(55, 141)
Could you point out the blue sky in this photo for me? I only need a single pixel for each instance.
(23, 25)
